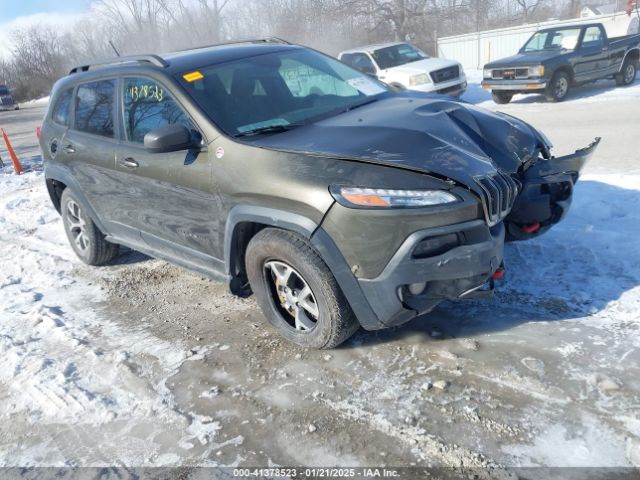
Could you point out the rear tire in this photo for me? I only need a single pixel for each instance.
(296, 290)
(628, 73)
(501, 98)
(558, 87)
(86, 240)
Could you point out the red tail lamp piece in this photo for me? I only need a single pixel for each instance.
(38, 132)
(17, 166)
(531, 228)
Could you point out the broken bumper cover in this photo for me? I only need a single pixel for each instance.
(465, 267)
(547, 191)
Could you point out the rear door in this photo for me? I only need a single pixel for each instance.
(90, 149)
(169, 197)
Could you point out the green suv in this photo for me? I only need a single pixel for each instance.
(337, 201)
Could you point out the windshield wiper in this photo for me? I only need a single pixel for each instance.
(267, 129)
(361, 104)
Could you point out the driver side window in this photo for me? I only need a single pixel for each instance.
(592, 37)
(147, 106)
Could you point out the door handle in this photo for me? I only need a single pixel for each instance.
(129, 163)
(69, 148)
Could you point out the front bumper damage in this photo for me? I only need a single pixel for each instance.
(409, 286)
(545, 197)
(465, 267)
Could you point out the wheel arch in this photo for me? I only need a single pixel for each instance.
(244, 221)
(634, 54)
(58, 179)
(568, 69)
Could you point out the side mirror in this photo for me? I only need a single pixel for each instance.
(170, 138)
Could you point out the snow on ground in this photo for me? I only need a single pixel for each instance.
(602, 90)
(63, 363)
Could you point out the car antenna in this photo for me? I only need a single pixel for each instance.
(114, 48)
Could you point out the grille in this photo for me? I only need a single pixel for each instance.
(510, 73)
(499, 192)
(445, 74)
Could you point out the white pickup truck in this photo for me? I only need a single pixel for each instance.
(403, 65)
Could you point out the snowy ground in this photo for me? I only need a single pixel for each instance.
(142, 363)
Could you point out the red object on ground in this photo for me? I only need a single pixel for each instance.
(533, 228)
(17, 166)
(38, 132)
(498, 274)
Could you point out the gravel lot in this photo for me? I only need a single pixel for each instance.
(142, 363)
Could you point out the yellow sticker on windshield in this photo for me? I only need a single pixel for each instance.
(193, 76)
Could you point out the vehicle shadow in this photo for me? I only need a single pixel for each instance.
(574, 271)
(128, 256)
(476, 94)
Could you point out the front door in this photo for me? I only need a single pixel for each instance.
(593, 54)
(169, 197)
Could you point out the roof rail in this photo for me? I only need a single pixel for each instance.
(235, 42)
(152, 59)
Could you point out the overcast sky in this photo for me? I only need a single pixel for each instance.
(21, 13)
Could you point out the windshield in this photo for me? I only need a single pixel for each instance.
(558, 39)
(397, 55)
(4, 91)
(277, 91)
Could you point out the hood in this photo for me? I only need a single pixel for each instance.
(422, 66)
(525, 59)
(418, 132)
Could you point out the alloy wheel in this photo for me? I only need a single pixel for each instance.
(562, 86)
(629, 73)
(77, 226)
(293, 295)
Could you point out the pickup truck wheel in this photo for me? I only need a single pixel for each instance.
(501, 98)
(558, 87)
(296, 290)
(85, 238)
(628, 74)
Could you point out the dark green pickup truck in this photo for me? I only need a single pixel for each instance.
(555, 59)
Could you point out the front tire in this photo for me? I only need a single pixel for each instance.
(558, 87)
(296, 290)
(501, 98)
(86, 240)
(628, 74)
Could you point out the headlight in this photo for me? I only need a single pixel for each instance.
(536, 71)
(487, 73)
(418, 79)
(383, 198)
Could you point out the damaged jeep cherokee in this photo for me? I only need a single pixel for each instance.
(279, 170)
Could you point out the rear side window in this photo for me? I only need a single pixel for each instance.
(147, 106)
(62, 108)
(94, 108)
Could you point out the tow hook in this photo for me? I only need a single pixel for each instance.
(531, 228)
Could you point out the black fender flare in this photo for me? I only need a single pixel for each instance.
(318, 238)
(61, 174)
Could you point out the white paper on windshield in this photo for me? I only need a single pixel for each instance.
(366, 86)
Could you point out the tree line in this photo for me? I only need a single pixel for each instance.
(40, 54)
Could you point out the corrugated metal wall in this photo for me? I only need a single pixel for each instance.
(473, 50)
